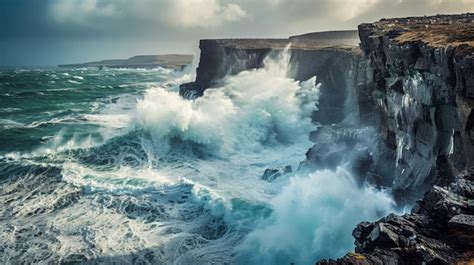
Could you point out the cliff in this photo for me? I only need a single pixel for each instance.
(328, 59)
(423, 72)
(399, 108)
(173, 61)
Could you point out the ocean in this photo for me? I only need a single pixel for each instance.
(113, 166)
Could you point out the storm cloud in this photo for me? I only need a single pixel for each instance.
(48, 32)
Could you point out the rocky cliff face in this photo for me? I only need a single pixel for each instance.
(415, 83)
(423, 71)
(423, 75)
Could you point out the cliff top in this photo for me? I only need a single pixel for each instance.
(435, 31)
(330, 35)
(146, 61)
(330, 40)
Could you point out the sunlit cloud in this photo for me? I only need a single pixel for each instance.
(174, 13)
(202, 13)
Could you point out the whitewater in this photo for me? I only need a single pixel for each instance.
(115, 166)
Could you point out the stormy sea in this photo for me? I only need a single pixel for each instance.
(114, 166)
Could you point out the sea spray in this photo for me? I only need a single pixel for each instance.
(255, 107)
(312, 219)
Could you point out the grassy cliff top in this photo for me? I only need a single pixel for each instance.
(435, 31)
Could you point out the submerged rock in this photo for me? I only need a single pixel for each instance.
(271, 174)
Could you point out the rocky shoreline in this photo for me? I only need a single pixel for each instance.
(439, 230)
(412, 81)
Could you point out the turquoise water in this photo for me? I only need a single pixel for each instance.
(113, 165)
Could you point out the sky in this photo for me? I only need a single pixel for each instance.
(50, 32)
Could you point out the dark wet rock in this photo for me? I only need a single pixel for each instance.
(336, 145)
(439, 230)
(271, 174)
(382, 236)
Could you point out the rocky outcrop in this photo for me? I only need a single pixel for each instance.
(439, 230)
(339, 67)
(336, 145)
(423, 71)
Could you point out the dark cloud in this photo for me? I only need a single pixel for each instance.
(58, 31)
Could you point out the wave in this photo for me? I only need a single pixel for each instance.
(252, 108)
(312, 219)
(9, 124)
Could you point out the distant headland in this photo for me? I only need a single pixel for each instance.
(173, 61)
